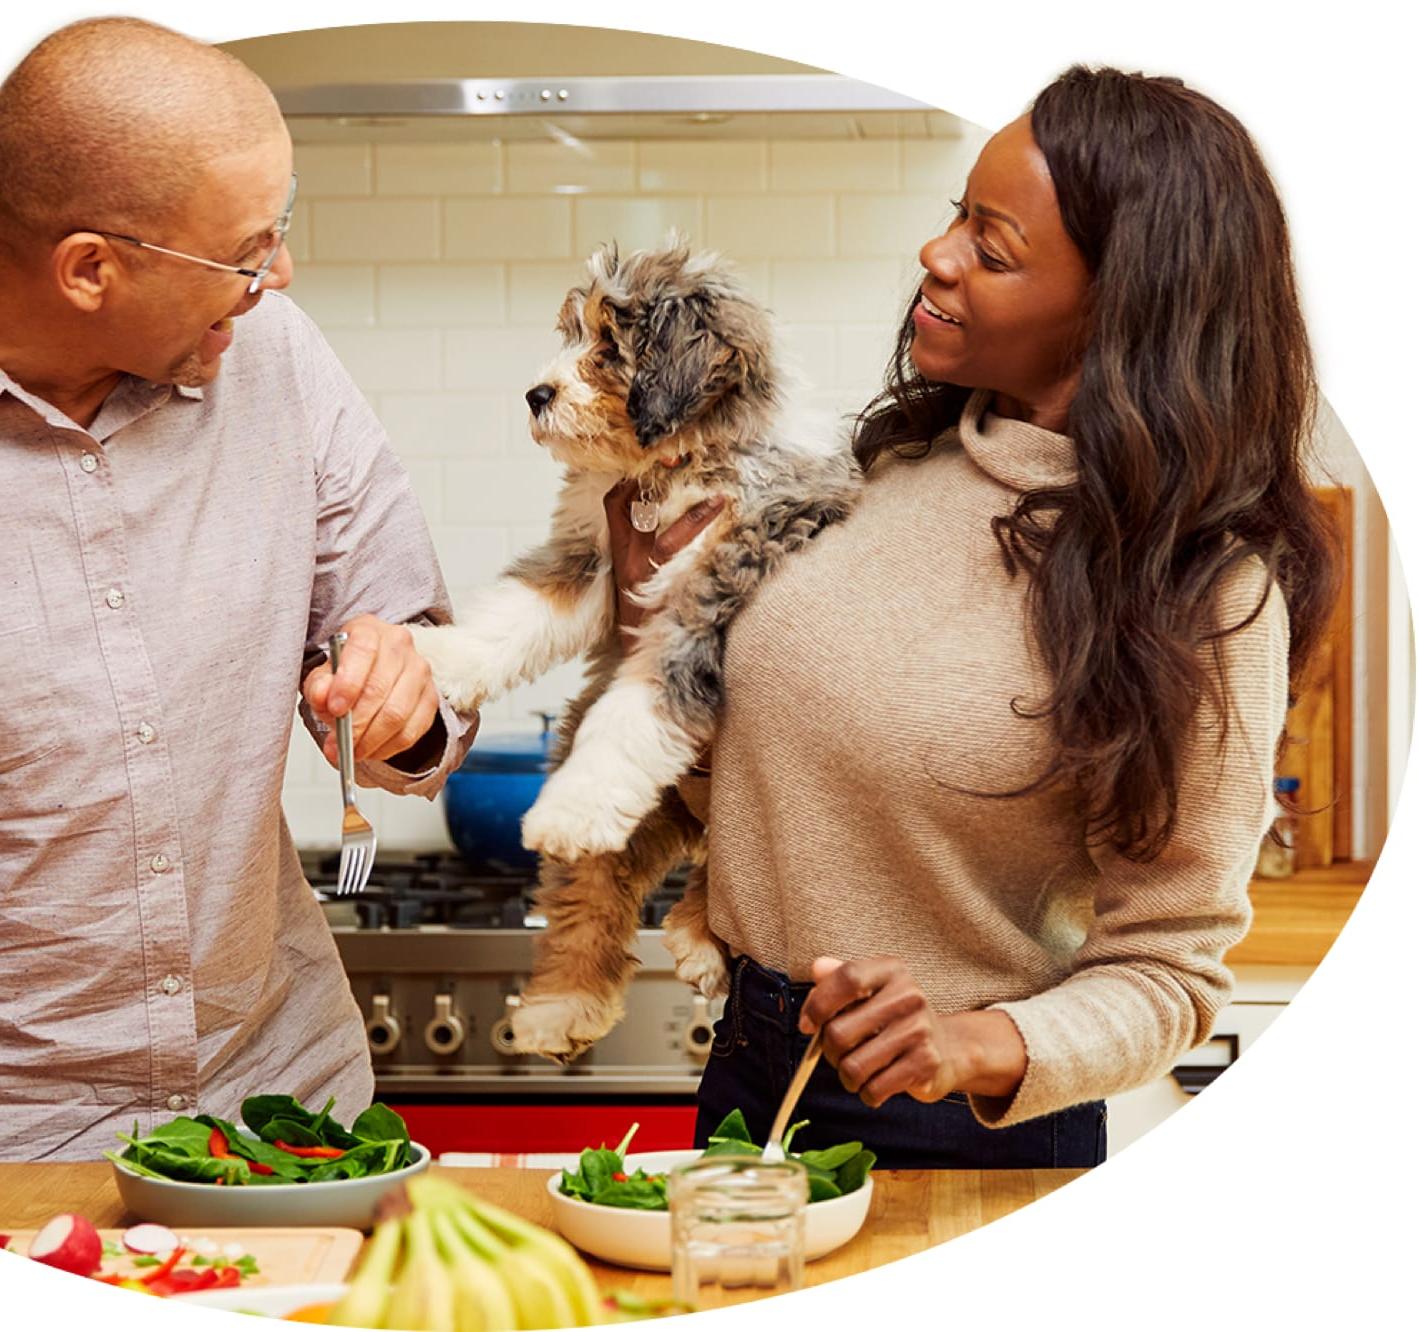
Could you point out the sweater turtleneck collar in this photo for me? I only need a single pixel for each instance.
(1016, 453)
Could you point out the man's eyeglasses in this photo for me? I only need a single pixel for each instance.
(257, 274)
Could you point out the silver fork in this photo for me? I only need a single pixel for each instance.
(357, 840)
(773, 1149)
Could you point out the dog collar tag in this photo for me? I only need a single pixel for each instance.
(645, 515)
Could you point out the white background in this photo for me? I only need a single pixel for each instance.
(1283, 1197)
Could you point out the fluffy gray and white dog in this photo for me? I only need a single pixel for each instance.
(667, 377)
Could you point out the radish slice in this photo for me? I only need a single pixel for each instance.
(149, 1238)
(70, 1243)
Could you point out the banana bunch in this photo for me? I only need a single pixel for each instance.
(441, 1260)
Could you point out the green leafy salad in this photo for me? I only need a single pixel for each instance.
(601, 1174)
(281, 1142)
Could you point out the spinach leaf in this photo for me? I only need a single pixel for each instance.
(598, 1164)
(852, 1174)
(731, 1147)
(292, 1131)
(257, 1111)
(830, 1158)
(821, 1188)
(575, 1185)
(733, 1127)
(381, 1124)
(642, 1194)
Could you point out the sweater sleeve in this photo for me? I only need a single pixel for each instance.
(1149, 979)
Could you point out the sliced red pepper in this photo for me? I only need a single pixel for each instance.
(325, 1153)
(228, 1276)
(187, 1279)
(260, 1168)
(171, 1261)
(217, 1144)
(619, 1176)
(4, 1241)
(109, 1278)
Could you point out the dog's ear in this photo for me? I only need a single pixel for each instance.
(680, 365)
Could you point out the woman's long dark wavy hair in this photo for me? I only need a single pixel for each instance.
(1191, 421)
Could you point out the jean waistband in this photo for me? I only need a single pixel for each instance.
(768, 993)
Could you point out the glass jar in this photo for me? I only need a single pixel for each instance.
(1277, 857)
(736, 1229)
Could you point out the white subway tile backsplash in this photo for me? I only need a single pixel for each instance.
(387, 230)
(396, 360)
(502, 230)
(830, 165)
(298, 237)
(437, 168)
(863, 353)
(329, 170)
(634, 223)
(441, 295)
(470, 556)
(437, 271)
(889, 225)
(503, 359)
(335, 295)
(502, 491)
(833, 291)
(445, 425)
(602, 166)
(677, 166)
(426, 475)
(792, 226)
(940, 166)
(536, 291)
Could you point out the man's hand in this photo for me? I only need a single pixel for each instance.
(883, 1037)
(383, 683)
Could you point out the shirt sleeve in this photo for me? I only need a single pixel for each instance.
(374, 555)
(1149, 979)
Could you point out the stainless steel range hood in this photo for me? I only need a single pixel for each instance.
(824, 106)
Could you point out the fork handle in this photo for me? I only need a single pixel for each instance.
(344, 741)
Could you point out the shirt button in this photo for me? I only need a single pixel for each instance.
(146, 734)
(89, 463)
(159, 863)
(177, 1101)
(114, 598)
(170, 985)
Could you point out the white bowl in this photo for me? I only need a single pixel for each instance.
(629, 1237)
(332, 1202)
(272, 1301)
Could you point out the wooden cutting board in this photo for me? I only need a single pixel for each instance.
(284, 1257)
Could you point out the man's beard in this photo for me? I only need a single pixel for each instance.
(193, 372)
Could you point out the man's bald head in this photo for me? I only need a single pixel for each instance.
(108, 124)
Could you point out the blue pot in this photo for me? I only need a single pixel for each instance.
(484, 801)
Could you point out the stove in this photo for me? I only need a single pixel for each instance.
(437, 955)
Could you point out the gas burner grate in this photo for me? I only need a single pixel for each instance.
(437, 888)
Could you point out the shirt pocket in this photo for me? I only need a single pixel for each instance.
(28, 715)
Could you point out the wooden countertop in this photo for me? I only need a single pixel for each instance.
(911, 1209)
(1295, 920)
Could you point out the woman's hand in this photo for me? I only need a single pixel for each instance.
(637, 555)
(883, 1037)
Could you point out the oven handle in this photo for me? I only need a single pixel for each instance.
(1192, 1078)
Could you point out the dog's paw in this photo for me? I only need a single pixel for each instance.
(456, 676)
(560, 1026)
(575, 817)
(699, 961)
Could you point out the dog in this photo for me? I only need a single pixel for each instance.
(667, 377)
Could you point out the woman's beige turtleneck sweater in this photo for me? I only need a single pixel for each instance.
(868, 686)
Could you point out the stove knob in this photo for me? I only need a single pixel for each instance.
(383, 1029)
(501, 1031)
(698, 1035)
(445, 1031)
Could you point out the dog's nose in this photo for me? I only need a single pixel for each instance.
(539, 397)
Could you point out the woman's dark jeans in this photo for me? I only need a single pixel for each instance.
(757, 1046)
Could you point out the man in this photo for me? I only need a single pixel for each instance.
(193, 498)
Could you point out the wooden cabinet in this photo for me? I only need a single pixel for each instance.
(1319, 727)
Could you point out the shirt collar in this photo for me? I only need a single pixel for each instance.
(1016, 453)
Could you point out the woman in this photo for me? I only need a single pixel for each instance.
(997, 752)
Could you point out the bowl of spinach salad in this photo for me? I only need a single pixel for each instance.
(282, 1165)
(614, 1205)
